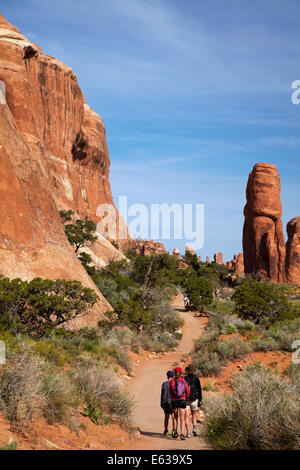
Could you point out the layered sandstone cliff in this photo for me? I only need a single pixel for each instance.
(53, 155)
(263, 239)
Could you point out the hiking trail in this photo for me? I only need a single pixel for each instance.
(146, 387)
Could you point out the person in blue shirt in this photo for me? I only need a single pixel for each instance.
(165, 403)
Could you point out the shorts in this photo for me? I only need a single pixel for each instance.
(193, 405)
(179, 404)
(168, 410)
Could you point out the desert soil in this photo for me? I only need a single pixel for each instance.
(146, 387)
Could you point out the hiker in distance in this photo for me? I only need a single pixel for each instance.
(179, 391)
(194, 400)
(165, 403)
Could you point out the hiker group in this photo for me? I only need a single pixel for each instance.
(179, 394)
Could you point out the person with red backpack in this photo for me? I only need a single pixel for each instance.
(179, 391)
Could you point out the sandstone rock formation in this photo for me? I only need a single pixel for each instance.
(148, 247)
(218, 258)
(293, 251)
(207, 260)
(236, 265)
(176, 252)
(53, 155)
(263, 239)
(189, 250)
(200, 259)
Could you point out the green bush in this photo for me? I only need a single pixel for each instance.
(262, 301)
(262, 413)
(38, 306)
(198, 289)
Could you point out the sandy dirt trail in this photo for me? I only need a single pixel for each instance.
(146, 387)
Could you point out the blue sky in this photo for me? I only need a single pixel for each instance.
(193, 93)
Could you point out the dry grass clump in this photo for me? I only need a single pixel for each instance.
(20, 387)
(102, 390)
(262, 413)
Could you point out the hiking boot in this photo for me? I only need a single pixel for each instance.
(195, 432)
(182, 437)
(188, 435)
(174, 434)
(166, 433)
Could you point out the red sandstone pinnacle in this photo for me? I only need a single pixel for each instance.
(263, 239)
(293, 251)
(207, 260)
(218, 258)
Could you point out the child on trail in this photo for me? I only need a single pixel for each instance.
(165, 402)
(179, 391)
(194, 400)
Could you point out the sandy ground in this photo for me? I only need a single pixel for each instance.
(146, 387)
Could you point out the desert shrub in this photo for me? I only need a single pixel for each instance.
(20, 387)
(230, 349)
(264, 344)
(118, 337)
(228, 324)
(229, 329)
(53, 352)
(177, 335)
(60, 395)
(122, 358)
(160, 343)
(283, 339)
(120, 406)
(207, 363)
(210, 387)
(210, 354)
(100, 388)
(10, 445)
(109, 288)
(293, 372)
(205, 340)
(262, 413)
